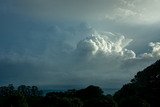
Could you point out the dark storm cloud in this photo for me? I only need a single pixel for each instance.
(70, 55)
(43, 42)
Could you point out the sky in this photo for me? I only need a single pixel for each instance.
(77, 42)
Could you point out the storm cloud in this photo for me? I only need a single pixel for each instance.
(78, 56)
(77, 42)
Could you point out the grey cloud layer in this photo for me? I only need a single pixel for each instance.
(41, 42)
(125, 11)
(58, 9)
(74, 55)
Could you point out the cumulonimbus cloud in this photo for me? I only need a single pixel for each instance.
(71, 56)
(103, 45)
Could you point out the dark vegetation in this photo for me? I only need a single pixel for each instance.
(26, 96)
(142, 91)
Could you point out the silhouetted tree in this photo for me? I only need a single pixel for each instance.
(29, 91)
(17, 100)
(7, 90)
(144, 89)
(90, 92)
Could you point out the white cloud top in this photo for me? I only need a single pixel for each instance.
(102, 45)
(155, 53)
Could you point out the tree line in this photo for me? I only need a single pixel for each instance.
(142, 91)
(31, 96)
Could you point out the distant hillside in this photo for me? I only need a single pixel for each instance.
(144, 89)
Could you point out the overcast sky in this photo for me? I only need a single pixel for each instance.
(77, 42)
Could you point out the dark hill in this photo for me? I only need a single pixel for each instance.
(144, 89)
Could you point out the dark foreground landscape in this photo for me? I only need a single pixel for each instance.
(142, 91)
